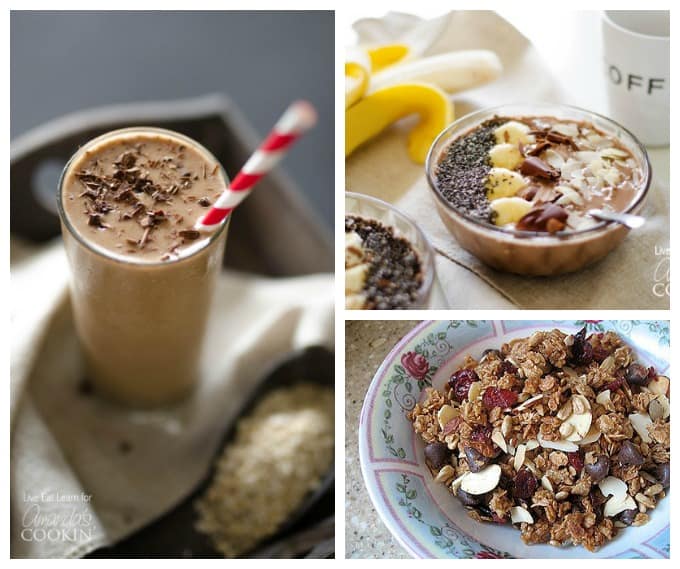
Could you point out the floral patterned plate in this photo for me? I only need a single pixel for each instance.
(422, 514)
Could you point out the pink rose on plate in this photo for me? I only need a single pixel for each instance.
(415, 364)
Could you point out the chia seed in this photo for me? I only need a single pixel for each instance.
(461, 174)
(395, 272)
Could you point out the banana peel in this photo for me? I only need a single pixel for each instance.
(386, 55)
(356, 82)
(374, 113)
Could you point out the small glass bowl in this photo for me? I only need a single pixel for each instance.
(378, 210)
(531, 252)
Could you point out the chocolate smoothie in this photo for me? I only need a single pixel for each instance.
(143, 278)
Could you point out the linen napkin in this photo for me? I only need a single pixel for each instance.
(84, 472)
(633, 276)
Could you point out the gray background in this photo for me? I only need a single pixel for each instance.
(68, 61)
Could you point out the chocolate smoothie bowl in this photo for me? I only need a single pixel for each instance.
(516, 185)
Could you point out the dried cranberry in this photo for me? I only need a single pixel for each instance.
(480, 440)
(651, 374)
(461, 381)
(506, 367)
(497, 397)
(582, 349)
(575, 460)
(525, 484)
(637, 374)
(497, 519)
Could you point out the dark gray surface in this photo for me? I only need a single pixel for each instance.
(67, 61)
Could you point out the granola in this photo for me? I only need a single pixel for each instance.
(566, 437)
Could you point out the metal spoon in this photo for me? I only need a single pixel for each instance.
(629, 220)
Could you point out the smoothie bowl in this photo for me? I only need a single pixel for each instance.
(389, 263)
(516, 185)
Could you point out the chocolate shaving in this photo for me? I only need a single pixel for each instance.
(204, 202)
(536, 149)
(190, 234)
(95, 220)
(534, 166)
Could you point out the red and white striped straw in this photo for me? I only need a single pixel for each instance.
(298, 118)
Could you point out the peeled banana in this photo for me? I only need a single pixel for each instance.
(513, 132)
(509, 210)
(375, 112)
(503, 183)
(452, 72)
(506, 156)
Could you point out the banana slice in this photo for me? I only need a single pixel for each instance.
(355, 301)
(503, 183)
(510, 210)
(355, 278)
(513, 132)
(506, 156)
(354, 250)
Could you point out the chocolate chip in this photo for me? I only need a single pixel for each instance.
(599, 469)
(548, 217)
(190, 234)
(627, 516)
(630, 455)
(467, 499)
(475, 459)
(437, 454)
(663, 474)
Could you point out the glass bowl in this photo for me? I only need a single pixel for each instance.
(378, 210)
(530, 252)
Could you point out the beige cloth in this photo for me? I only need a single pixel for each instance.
(382, 168)
(80, 463)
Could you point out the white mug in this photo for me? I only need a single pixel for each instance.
(637, 67)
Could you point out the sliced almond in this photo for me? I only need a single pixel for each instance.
(446, 414)
(506, 426)
(457, 482)
(529, 402)
(640, 422)
(545, 482)
(520, 515)
(477, 483)
(566, 429)
(520, 453)
(604, 397)
(354, 249)
(659, 385)
(614, 507)
(613, 486)
(608, 364)
(580, 404)
(581, 425)
(497, 437)
(532, 444)
(659, 408)
(531, 466)
(593, 435)
(564, 446)
(474, 391)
